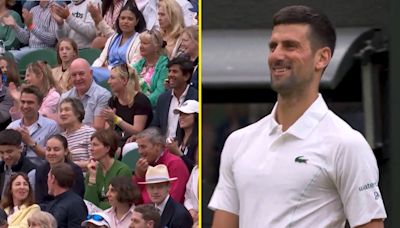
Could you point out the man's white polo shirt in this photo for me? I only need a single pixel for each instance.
(316, 174)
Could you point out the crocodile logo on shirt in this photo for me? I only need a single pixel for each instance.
(301, 159)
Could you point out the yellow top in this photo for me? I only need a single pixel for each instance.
(19, 219)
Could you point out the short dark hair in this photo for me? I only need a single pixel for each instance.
(141, 25)
(149, 213)
(108, 138)
(10, 137)
(127, 191)
(31, 89)
(77, 107)
(184, 63)
(64, 175)
(322, 32)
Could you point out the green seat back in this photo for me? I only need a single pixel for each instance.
(90, 54)
(47, 54)
(130, 158)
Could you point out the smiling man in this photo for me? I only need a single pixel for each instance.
(94, 97)
(180, 70)
(12, 159)
(152, 152)
(301, 166)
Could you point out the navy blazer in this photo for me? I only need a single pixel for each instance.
(160, 118)
(175, 215)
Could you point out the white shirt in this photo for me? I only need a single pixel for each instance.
(192, 190)
(319, 172)
(172, 117)
(162, 205)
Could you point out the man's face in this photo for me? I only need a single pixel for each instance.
(81, 76)
(137, 221)
(148, 150)
(29, 104)
(291, 60)
(10, 154)
(176, 78)
(158, 192)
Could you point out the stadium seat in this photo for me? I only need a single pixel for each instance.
(130, 158)
(48, 55)
(90, 54)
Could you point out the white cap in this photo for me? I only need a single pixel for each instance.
(188, 107)
(98, 219)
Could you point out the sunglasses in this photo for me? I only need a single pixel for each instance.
(96, 217)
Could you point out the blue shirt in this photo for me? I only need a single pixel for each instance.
(40, 131)
(94, 100)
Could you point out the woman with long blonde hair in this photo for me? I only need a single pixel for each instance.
(170, 18)
(129, 110)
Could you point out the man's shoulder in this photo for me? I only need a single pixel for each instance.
(253, 129)
(99, 91)
(46, 121)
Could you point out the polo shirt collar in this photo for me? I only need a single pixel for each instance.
(306, 123)
(40, 121)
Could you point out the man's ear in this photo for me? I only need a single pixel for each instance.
(322, 58)
(150, 223)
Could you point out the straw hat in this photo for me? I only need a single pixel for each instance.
(157, 174)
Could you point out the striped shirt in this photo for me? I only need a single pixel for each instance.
(79, 143)
(43, 34)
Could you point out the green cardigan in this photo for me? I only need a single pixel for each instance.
(157, 81)
(93, 192)
(7, 34)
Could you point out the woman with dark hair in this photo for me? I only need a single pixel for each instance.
(39, 74)
(18, 201)
(187, 135)
(122, 195)
(103, 167)
(71, 114)
(123, 46)
(152, 68)
(67, 51)
(129, 110)
(56, 152)
(9, 70)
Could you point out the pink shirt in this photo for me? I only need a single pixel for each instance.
(125, 221)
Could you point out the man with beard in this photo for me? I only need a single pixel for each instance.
(301, 165)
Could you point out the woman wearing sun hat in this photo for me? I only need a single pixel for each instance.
(186, 142)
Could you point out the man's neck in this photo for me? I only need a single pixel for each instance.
(179, 91)
(29, 120)
(58, 191)
(292, 106)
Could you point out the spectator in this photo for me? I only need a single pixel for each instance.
(103, 167)
(75, 22)
(56, 153)
(9, 70)
(3, 219)
(7, 34)
(34, 127)
(97, 220)
(67, 51)
(185, 145)
(94, 97)
(78, 135)
(68, 208)
(123, 46)
(145, 216)
(12, 160)
(158, 184)
(192, 192)
(152, 152)
(190, 46)
(170, 18)
(18, 200)
(129, 111)
(42, 219)
(40, 31)
(39, 74)
(152, 67)
(104, 18)
(6, 102)
(122, 195)
(179, 72)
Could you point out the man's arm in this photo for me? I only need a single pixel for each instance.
(375, 223)
(224, 219)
